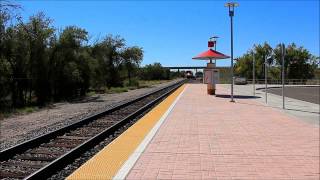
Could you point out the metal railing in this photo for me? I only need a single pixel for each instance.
(287, 81)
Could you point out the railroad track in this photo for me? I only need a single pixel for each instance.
(41, 157)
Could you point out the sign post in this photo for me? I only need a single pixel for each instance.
(265, 78)
(283, 51)
(253, 75)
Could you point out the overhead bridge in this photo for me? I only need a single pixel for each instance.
(192, 67)
(185, 67)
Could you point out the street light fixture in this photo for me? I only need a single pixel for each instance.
(231, 6)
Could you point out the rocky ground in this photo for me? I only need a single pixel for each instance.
(20, 128)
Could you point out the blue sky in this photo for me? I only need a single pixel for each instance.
(172, 32)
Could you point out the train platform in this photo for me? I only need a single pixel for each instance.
(191, 135)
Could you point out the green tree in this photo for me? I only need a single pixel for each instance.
(12, 70)
(263, 53)
(132, 57)
(108, 54)
(70, 71)
(15, 54)
(154, 72)
(38, 31)
(38, 63)
(244, 65)
(299, 62)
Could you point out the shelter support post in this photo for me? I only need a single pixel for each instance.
(211, 87)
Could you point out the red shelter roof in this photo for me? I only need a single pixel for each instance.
(211, 54)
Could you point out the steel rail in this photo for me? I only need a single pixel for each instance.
(65, 159)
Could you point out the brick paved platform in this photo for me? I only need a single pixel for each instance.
(207, 137)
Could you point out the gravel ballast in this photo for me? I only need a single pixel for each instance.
(20, 128)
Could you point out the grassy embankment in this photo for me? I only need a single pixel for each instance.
(138, 85)
(17, 111)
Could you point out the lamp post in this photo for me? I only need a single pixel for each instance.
(231, 6)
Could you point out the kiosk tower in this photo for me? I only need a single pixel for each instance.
(211, 75)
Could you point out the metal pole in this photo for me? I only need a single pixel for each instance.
(231, 6)
(215, 48)
(265, 78)
(253, 75)
(282, 58)
(231, 57)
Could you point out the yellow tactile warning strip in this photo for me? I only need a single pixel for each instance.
(110, 159)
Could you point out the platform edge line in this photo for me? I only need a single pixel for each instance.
(127, 166)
